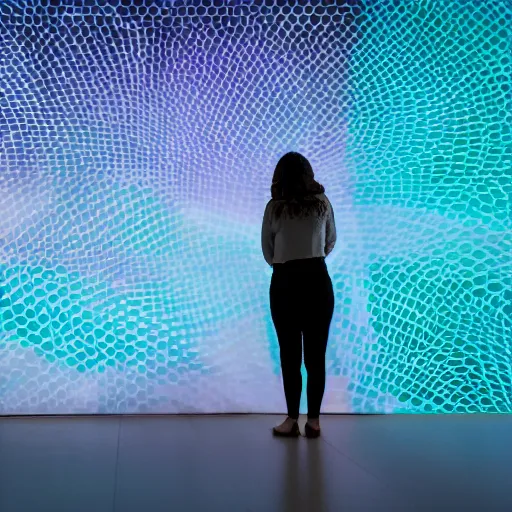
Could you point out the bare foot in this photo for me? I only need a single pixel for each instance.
(314, 424)
(286, 426)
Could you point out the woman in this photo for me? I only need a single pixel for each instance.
(298, 232)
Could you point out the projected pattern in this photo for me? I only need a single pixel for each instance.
(138, 141)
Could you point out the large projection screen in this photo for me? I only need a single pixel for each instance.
(137, 145)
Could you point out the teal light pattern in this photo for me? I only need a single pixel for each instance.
(137, 144)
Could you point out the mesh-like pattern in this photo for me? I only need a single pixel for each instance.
(138, 141)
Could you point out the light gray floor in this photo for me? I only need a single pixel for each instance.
(232, 463)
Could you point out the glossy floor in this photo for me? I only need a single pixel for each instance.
(232, 463)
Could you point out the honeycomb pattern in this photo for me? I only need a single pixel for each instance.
(137, 144)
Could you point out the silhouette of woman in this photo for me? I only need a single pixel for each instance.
(298, 232)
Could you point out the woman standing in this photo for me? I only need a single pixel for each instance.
(298, 232)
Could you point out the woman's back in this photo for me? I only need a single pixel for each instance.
(293, 237)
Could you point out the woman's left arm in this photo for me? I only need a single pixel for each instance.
(267, 236)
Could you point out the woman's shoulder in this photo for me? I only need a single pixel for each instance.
(323, 197)
(271, 205)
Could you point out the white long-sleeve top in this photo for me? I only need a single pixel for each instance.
(286, 238)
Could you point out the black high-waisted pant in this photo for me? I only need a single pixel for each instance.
(302, 305)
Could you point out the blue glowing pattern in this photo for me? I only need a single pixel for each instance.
(137, 145)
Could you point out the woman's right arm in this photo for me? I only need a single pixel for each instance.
(330, 230)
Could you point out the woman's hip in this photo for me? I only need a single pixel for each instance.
(302, 277)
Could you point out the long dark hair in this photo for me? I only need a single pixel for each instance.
(294, 188)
